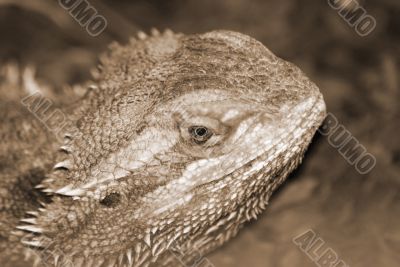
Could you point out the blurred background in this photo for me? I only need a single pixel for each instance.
(357, 216)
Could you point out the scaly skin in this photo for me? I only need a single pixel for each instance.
(25, 156)
(183, 140)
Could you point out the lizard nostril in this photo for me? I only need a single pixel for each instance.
(111, 200)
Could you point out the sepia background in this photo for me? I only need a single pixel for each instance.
(356, 215)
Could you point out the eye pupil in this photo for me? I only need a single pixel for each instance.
(201, 131)
(200, 134)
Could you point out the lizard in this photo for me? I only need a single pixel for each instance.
(181, 140)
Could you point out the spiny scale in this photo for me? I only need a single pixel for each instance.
(29, 220)
(66, 164)
(32, 243)
(155, 32)
(30, 228)
(68, 190)
(66, 149)
(141, 35)
(33, 213)
(129, 256)
(147, 239)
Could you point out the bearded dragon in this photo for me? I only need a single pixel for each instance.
(179, 142)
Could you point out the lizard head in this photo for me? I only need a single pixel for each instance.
(183, 139)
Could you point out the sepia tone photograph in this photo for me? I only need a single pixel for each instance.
(225, 133)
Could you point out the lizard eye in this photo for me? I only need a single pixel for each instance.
(200, 134)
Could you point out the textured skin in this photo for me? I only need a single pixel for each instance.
(133, 186)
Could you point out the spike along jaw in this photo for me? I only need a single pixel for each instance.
(200, 162)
